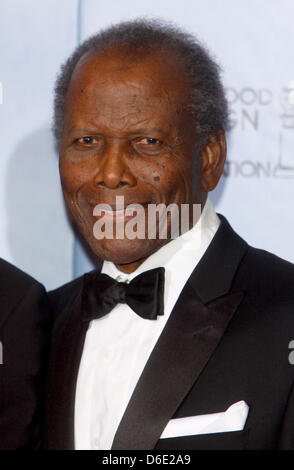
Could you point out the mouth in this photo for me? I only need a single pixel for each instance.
(117, 213)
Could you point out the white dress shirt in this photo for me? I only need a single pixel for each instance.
(118, 345)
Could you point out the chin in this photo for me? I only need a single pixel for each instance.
(123, 251)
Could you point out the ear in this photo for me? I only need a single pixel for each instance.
(213, 156)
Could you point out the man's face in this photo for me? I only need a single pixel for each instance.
(127, 133)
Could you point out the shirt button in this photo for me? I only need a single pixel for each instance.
(122, 278)
(107, 355)
(96, 443)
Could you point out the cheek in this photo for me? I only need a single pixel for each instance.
(171, 179)
(166, 186)
(72, 175)
(153, 179)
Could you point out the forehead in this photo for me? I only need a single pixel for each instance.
(115, 83)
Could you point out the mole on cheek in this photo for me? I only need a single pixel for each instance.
(156, 178)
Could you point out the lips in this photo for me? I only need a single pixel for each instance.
(117, 213)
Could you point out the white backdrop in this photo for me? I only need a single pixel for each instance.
(35, 38)
(252, 40)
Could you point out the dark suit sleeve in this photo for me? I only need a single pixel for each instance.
(24, 336)
(286, 441)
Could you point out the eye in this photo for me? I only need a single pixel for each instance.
(149, 141)
(148, 145)
(87, 141)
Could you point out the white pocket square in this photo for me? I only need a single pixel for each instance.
(233, 419)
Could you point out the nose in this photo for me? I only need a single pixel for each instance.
(114, 170)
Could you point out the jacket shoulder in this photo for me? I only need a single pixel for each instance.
(267, 278)
(62, 296)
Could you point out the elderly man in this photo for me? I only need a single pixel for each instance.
(24, 344)
(178, 342)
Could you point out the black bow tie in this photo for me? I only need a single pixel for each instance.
(144, 294)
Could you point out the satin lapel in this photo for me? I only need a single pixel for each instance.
(65, 359)
(215, 273)
(186, 344)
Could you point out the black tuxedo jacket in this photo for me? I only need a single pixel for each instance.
(24, 335)
(226, 340)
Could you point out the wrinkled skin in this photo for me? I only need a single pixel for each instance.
(128, 132)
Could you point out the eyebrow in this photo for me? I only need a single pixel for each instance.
(143, 130)
(72, 130)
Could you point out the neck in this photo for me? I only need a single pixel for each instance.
(129, 267)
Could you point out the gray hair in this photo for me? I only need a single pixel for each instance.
(208, 102)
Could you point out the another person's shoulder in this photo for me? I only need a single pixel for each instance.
(25, 325)
(10, 274)
(22, 298)
(16, 284)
